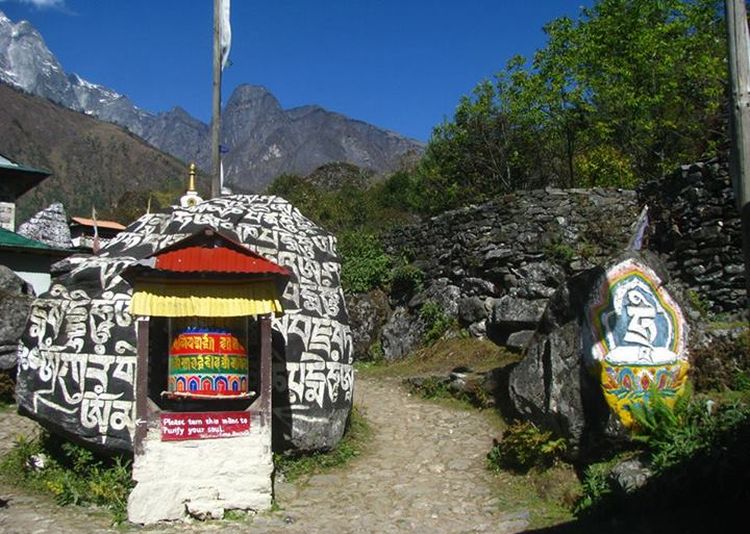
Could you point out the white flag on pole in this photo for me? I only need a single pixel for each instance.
(225, 32)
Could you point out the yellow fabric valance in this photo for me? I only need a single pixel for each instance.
(205, 300)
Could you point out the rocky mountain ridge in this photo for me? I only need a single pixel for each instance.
(264, 140)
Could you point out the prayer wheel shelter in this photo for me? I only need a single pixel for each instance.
(202, 441)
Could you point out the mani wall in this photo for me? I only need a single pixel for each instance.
(77, 356)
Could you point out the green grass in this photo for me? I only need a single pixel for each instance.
(548, 495)
(442, 357)
(70, 474)
(352, 445)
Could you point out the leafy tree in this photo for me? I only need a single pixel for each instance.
(625, 92)
(364, 264)
(653, 74)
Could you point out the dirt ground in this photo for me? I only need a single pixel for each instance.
(423, 472)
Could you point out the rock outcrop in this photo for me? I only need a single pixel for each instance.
(16, 296)
(606, 337)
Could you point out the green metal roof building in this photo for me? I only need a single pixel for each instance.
(29, 259)
(15, 180)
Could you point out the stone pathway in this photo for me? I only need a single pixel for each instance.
(424, 472)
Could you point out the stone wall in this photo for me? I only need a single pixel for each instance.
(696, 225)
(495, 265)
(500, 262)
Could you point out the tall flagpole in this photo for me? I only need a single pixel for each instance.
(738, 39)
(216, 110)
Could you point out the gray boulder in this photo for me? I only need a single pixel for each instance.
(511, 315)
(551, 387)
(441, 292)
(516, 313)
(77, 358)
(519, 340)
(401, 334)
(404, 331)
(538, 280)
(628, 476)
(368, 312)
(471, 310)
(16, 296)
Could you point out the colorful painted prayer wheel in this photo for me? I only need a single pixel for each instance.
(207, 362)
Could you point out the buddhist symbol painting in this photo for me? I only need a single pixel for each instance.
(635, 339)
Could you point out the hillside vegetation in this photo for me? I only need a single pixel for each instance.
(93, 163)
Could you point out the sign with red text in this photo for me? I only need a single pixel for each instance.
(179, 426)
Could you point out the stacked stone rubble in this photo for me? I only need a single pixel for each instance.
(695, 223)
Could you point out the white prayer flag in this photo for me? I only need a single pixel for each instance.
(225, 32)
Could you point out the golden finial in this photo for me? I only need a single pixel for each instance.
(191, 187)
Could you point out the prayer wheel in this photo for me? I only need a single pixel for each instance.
(205, 361)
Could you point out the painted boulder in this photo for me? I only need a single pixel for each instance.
(634, 338)
(77, 357)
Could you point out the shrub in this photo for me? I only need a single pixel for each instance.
(436, 321)
(693, 448)
(557, 250)
(697, 302)
(364, 263)
(7, 388)
(523, 447)
(406, 281)
(595, 487)
(655, 421)
(431, 387)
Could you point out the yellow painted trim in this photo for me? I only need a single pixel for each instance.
(205, 300)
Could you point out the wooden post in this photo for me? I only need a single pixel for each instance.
(141, 386)
(216, 117)
(265, 367)
(739, 72)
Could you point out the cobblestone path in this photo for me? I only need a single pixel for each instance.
(423, 472)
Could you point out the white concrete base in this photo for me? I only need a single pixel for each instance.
(201, 478)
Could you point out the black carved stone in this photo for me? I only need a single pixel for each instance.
(78, 353)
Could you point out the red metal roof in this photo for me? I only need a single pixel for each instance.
(217, 260)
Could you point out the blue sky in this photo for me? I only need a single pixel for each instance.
(398, 64)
